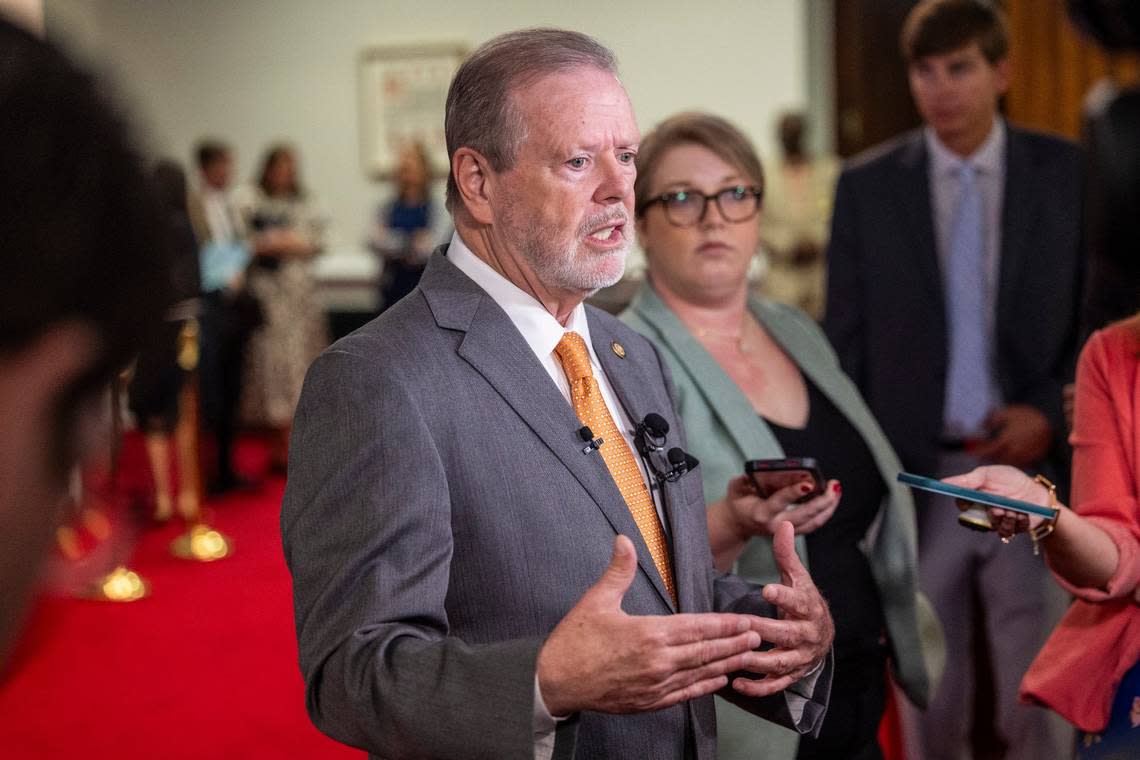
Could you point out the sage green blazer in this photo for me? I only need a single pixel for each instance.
(723, 430)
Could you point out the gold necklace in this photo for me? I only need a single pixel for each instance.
(737, 336)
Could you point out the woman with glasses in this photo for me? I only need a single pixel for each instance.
(758, 380)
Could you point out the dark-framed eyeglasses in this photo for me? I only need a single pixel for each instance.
(684, 208)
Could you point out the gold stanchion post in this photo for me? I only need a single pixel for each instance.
(200, 542)
(121, 584)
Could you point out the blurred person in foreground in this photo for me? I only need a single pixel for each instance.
(83, 279)
(1088, 669)
(797, 211)
(470, 579)
(954, 273)
(758, 380)
(285, 235)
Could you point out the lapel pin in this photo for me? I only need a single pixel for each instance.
(618, 349)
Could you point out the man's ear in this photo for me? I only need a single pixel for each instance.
(475, 179)
(1002, 71)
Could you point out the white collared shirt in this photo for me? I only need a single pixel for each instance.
(219, 213)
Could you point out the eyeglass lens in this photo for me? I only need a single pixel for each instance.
(736, 204)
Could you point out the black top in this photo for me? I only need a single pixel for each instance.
(838, 567)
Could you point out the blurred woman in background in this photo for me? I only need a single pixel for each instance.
(160, 371)
(758, 380)
(403, 232)
(286, 234)
(797, 215)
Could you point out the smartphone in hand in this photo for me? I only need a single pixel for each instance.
(975, 518)
(770, 475)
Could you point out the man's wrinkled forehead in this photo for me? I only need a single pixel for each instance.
(553, 104)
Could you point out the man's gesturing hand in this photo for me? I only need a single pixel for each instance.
(803, 633)
(600, 658)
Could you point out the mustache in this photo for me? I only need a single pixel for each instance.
(603, 219)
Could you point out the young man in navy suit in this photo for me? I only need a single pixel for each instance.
(954, 275)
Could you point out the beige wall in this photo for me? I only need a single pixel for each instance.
(253, 71)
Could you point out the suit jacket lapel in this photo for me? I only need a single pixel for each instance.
(913, 187)
(1020, 196)
(493, 346)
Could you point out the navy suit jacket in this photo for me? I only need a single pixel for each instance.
(885, 307)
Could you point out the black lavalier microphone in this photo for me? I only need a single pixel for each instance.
(649, 438)
(592, 443)
(680, 462)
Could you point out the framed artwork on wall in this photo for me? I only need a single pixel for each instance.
(403, 90)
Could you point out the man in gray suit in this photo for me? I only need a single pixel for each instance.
(473, 576)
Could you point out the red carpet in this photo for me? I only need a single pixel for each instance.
(205, 667)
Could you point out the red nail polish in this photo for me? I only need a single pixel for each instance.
(838, 489)
(805, 488)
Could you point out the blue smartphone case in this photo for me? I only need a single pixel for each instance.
(969, 494)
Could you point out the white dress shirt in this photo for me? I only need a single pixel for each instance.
(219, 213)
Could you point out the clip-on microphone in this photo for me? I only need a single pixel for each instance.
(649, 437)
(592, 443)
(681, 462)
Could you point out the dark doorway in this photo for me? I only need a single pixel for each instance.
(872, 97)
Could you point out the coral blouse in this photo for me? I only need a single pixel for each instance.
(1077, 672)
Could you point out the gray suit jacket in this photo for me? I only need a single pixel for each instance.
(440, 519)
(724, 431)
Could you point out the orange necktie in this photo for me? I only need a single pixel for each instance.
(591, 409)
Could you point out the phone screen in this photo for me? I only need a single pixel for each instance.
(767, 483)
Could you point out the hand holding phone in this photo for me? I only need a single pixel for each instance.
(778, 490)
(1004, 504)
(771, 475)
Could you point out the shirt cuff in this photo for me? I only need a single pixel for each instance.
(544, 725)
(799, 694)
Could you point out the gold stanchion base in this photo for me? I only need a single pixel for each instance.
(119, 585)
(201, 543)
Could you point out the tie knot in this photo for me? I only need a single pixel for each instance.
(967, 172)
(574, 355)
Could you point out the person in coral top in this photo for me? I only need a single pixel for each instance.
(1087, 671)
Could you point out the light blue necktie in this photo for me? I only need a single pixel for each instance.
(968, 394)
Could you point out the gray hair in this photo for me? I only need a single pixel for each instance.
(480, 111)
